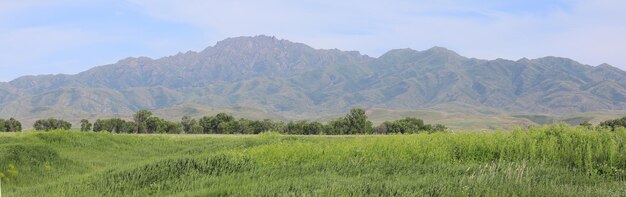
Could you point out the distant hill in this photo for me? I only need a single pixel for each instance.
(280, 78)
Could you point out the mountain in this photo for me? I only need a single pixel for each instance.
(280, 78)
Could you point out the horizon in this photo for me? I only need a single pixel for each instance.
(67, 37)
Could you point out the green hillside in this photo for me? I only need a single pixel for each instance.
(552, 160)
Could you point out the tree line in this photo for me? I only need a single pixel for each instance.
(355, 122)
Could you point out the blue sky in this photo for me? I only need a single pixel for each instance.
(69, 36)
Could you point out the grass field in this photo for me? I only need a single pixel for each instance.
(554, 160)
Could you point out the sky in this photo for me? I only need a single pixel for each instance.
(70, 36)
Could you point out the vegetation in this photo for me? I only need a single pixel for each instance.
(408, 125)
(614, 124)
(51, 124)
(555, 160)
(85, 125)
(113, 125)
(10, 125)
(355, 122)
(142, 122)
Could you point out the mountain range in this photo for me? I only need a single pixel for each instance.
(288, 80)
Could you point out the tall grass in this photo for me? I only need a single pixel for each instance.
(540, 161)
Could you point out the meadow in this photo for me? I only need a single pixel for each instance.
(553, 160)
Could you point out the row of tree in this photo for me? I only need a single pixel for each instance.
(116, 125)
(354, 122)
(10, 125)
(51, 124)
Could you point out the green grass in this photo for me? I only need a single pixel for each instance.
(554, 160)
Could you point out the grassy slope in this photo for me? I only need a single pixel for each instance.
(554, 160)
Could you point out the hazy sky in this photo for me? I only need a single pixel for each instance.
(69, 36)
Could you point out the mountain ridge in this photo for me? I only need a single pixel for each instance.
(284, 77)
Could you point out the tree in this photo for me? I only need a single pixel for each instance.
(220, 118)
(152, 124)
(3, 127)
(408, 125)
(51, 124)
(313, 128)
(614, 124)
(256, 126)
(187, 123)
(12, 125)
(85, 125)
(114, 125)
(586, 124)
(336, 127)
(211, 124)
(169, 127)
(439, 128)
(140, 117)
(233, 127)
(99, 125)
(356, 122)
(206, 123)
(121, 126)
(196, 129)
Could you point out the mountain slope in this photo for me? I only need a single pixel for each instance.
(279, 76)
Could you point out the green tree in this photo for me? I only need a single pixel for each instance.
(3, 127)
(188, 123)
(206, 124)
(439, 128)
(293, 128)
(12, 125)
(356, 122)
(51, 124)
(408, 125)
(196, 129)
(140, 117)
(152, 124)
(114, 125)
(586, 124)
(99, 125)
(211, 124)
(313, 128)
(121, 126)
(614, 124)
(233, 127)
(169, 127)
(256, 126)
(336, 127)
(85, 125)
(221, 118)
